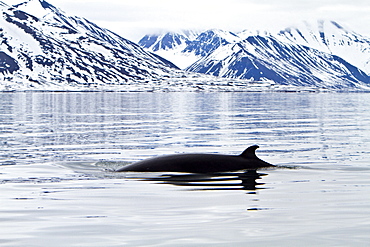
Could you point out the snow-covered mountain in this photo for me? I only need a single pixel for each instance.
(209, 41)
(168, 41)
(333, 38)
(42, 47)
(185, 48)
(267, 59)
(332, 57)
(171, 45)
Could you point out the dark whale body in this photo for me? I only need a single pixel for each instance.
(199, 163)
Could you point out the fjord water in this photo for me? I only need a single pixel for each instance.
(58, 152)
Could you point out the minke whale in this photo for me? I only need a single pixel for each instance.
(199, 163)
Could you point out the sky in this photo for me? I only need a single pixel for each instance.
(132, 19)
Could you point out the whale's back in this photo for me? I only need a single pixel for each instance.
(199, 163)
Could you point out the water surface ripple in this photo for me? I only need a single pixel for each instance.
(58, 153)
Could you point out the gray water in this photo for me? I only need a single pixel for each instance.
(58, 153)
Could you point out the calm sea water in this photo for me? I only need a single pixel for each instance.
(58, 153)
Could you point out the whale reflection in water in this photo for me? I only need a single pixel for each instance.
(212, 181)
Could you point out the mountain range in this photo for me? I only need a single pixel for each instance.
(324, 55)
(43, 48)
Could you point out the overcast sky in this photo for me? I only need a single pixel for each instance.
(132, 19)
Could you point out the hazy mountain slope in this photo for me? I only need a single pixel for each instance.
(333, 38)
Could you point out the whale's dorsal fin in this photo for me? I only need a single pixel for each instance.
(250, 153)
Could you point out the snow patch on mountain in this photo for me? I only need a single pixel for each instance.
(39, 9)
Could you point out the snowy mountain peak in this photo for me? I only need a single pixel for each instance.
(185, 47)
(210, 40)
(170, 46)
(165, 41)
